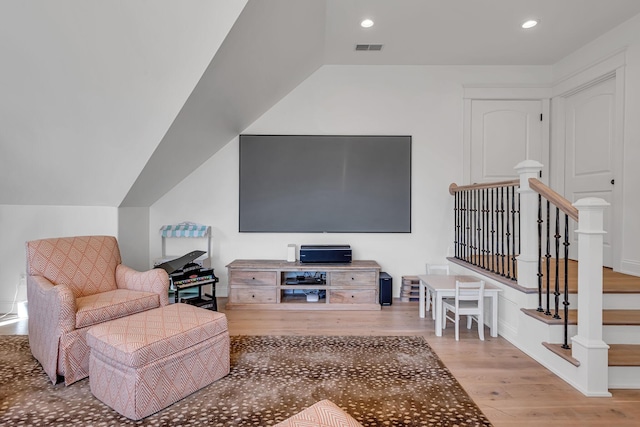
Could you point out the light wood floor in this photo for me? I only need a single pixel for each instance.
(510, 387)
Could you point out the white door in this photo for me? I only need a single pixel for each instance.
(504, 133)
(589, 153)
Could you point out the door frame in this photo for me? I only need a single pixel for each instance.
(505, 93)
(612, 67)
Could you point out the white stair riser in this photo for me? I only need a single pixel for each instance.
(623, 377)
(610, 334)
(609, 302)
(621, 334)
(621, 302)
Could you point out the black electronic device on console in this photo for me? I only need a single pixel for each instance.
(327, 254)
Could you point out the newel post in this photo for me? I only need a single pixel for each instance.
(588, 346)
(528, 258)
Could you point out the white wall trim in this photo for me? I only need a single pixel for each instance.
(7, 307)
(628, 266)
(466, 142)
(577, 82)
(618, 194)
(590, 74)
(499, 92)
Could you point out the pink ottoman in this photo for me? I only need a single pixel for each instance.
(143, 363)
(321, 414)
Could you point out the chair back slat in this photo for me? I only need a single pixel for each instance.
(438, 269)
(470, 291)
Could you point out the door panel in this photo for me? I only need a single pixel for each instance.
(503, 133)
(589, 152)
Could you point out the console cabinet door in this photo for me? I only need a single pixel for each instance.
(261, 295)
(352, 296)
(353, 278)
(253, 278)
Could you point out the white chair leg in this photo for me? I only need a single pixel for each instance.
(428, 298)
(457, 327)
(444, 318)
(469, 321)
(480, 320)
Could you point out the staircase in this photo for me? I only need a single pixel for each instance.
(620, 323)
(592, 341)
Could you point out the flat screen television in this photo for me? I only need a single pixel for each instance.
(325, 184)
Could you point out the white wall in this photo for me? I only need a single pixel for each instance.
(425, 102)
(22, 223)
(625, 36)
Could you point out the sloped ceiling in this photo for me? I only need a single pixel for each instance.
(112, 103)
(89, 87)
(273, 46)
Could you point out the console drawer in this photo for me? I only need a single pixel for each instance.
(353, 278)
(252, 295)
(255, 278)
(352, 296)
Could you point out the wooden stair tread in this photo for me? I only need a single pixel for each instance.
(624, 355)
(619, 354)
(565, 353)
(621, 317)
(613, 282)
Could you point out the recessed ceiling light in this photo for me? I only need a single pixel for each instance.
(530, 23)
(366, 23)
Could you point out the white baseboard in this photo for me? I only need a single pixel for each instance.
(8, 307)
(222, 291)
(630, 267)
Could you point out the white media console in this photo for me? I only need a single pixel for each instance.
(282, 285)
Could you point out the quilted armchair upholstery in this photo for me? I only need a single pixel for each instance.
(74, 283)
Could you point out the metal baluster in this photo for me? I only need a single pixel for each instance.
(501, 234)
(466, 226)
(463, 213)
(514, 275)
(484, 229)
(456, 234)
(466, 234)
(547, 256)
(519, 230)
(477, 231)
(557, 287)
(507, 235)
(472, 227)
(492, 206)
(566, 282)
(540, 309)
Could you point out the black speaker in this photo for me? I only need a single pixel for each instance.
(386, 288)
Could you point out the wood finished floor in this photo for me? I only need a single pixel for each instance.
(510, 387)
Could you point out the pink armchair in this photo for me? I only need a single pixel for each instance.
(74, 283)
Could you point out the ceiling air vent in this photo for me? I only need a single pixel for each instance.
(368, 47)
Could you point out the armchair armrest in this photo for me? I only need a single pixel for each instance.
(52, 307)
(155, 280)
(52, 312)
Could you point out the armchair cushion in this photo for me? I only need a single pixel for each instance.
(105, 306)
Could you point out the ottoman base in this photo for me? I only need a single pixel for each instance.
(142, 363)
(139, 392)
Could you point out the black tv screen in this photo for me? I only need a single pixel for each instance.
(325, 184)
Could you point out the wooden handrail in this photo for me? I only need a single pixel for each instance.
(453, 188)
(560, 202)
